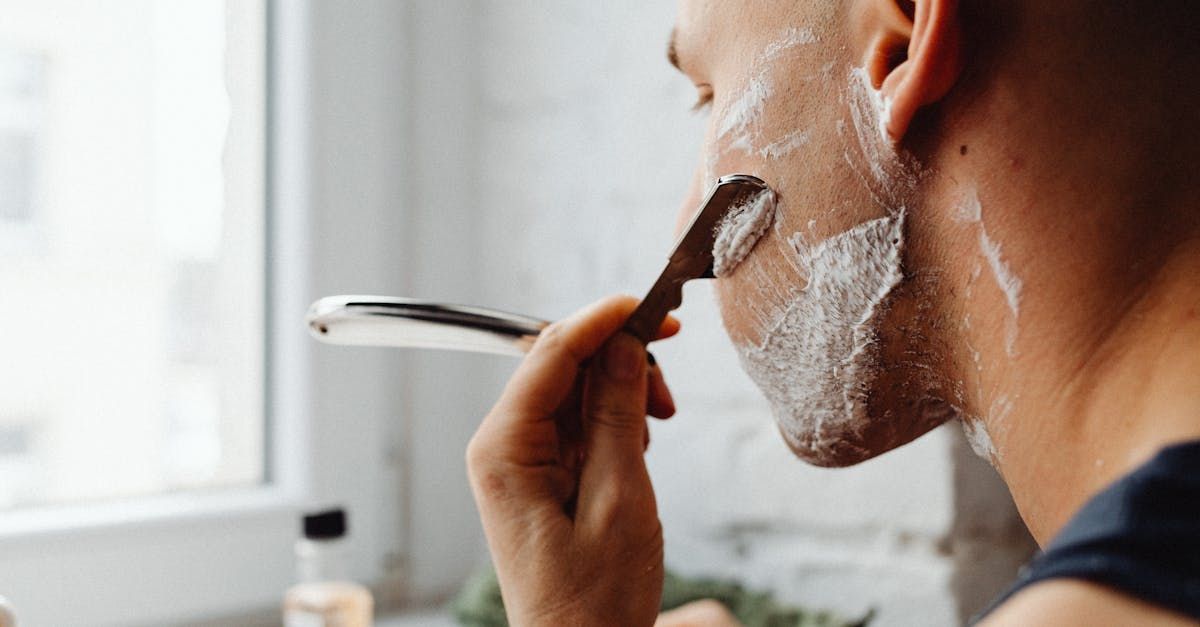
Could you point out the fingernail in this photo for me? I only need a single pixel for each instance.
(625, 358)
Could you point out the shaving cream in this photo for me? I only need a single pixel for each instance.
(979, 439)
(816, 356)
(791, 38)
(868, 109)
(744, 111)
(971, 211)
(815, 365)
(740, 230)
(1008, 282)
(785, 145)
(738, 128)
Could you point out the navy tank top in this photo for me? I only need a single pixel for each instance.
(1140, 536)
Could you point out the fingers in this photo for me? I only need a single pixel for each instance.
(571, 437)
(563, 444)
(659, 402)
(536, 423)
(546, 375)
(541, 382)
(614, 481)
(670, 326)
(615, 399)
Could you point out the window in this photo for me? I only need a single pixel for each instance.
(195, 518)
(22, 110)
(132, 247)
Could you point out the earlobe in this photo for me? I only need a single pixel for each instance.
(914, 61)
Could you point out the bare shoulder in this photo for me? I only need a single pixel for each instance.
(1077, 602)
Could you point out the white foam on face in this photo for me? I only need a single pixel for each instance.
(979, 439)
(745, 110)
(1000, 408)
(740, 230)
(785, 146)
(870, 112)
(814, 350)
(710, 170)
(1008, 282)
(815, 366)
(971, 211)
(817, 357)
(790, 38)
(885, 115)
(738, 128)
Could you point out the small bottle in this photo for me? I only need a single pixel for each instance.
(324, 596)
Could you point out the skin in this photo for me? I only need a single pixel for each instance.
(1073, 123)
(558, 473)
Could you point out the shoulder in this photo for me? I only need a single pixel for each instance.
(1077, 602)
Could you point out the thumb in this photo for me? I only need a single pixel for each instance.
(615, 403)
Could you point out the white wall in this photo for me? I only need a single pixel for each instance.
(449, 392)
(549, 146)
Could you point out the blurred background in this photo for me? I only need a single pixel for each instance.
(178, 180)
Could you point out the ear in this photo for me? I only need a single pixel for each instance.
(913, 55)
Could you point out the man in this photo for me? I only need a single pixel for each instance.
(986, 212)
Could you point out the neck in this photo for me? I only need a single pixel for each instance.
(1094, 214)
(1136, 390)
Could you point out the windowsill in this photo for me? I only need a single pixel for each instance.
(142, 512)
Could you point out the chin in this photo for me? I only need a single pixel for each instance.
(880, 428)
(838, 453)
(833, 409)
(823, 441)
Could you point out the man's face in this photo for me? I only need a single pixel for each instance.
(821, 311)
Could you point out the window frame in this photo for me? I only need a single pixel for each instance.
(26, 237)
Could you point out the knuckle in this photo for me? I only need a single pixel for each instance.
(477, 456)
(552, 335)
(555, 339)
(617, 416)
(619, 508)
(472, 455)
(612, 514)
(488, 480)
(491, 485)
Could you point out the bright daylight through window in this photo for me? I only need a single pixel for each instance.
(131, 248)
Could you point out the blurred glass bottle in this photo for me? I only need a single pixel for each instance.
(325, 596)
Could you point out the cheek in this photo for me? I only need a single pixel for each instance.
(754, 297)
(804, 307)
(817, 358)
(786, 125)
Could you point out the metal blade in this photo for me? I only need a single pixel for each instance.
(691, 257)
